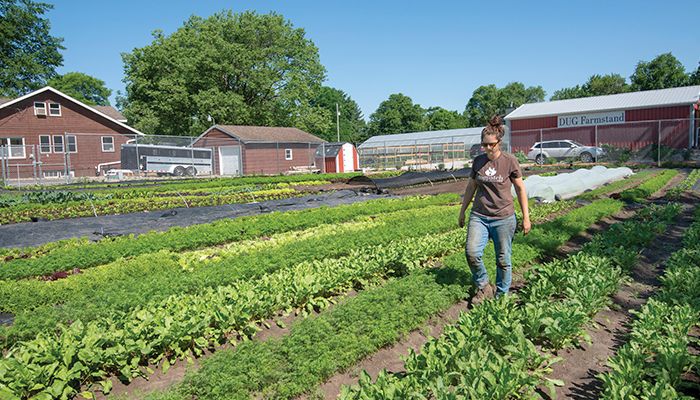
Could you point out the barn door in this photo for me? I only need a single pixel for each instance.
(230, 160)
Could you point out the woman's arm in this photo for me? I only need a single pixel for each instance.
(468, 195)
(522, 199)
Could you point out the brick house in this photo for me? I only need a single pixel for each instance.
(47, 133)
(259, 150)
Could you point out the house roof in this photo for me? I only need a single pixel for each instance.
(649, 98)
(464, 135)
(111, 111)
(265, 134)
(103, 113)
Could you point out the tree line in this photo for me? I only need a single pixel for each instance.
(258, 69)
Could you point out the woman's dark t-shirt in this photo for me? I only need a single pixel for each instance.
(494, 179)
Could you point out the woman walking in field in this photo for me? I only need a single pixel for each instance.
(493, 213)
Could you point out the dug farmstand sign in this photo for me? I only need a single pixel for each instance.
(568, 121)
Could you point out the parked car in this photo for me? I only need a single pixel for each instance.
(562, 149)
(475, 150)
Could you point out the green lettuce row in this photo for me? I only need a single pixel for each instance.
(628, 183)
(559, 301)
(675, 192)
(652, 362)
(649, 187)
(124, 284)
(318, 347)
(199, 236)
(24, 213)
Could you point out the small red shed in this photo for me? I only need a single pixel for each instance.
(338, 157)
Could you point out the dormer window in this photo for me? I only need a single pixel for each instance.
(39, 108)
(54, 109)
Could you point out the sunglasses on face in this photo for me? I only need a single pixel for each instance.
(489, 145)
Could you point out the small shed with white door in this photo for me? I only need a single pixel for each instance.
(338, 157)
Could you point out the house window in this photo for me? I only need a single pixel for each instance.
(57, 144)
(39, 108)
(54, 109)
(107, 144)
(45, 144)
(71, 144)
(53, 174)
(287, 154)
(15, 146)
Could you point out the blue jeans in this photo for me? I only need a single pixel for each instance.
(501, 231)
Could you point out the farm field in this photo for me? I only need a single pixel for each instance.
(296, 304)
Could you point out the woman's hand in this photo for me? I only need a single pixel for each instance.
(526, 225)
(460, 222)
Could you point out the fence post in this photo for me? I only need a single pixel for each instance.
(277, 156)
(138, 160)
(658, 148)
(540, 145)
(2, 165)
(596, 144)
(34, 163)
(385, 155)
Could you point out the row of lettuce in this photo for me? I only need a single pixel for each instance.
(222, 302)
(549, 314)
(654, 361)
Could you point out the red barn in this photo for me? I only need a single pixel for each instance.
(259, 150)
(631, 120)
(47, 133)
(338, 157)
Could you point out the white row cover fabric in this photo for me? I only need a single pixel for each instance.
(565, 186)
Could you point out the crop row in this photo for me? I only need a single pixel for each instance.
(319, 346)
(652, 185)
(25, 213)
(87, 254)
(552, 311)
(652, 363)
(622, 184)
(124, 284)
(676, 191)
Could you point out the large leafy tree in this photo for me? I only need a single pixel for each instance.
(83, 87)
(397, 114)
(488, 100)
(29, 54)
(664, 71)
(438, 118)
(597, 85)
(351, 122)
(694, 78)
(242, 68)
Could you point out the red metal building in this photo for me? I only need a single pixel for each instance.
(259, 150)
(47, 133)
(631, 120)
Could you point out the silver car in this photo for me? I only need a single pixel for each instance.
(561, 149)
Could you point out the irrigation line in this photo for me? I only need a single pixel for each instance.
(183, 199)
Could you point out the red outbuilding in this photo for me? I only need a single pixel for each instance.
(47, 133)
(259, 150)
(338, 157)
(629, 120)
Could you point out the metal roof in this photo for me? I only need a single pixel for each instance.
(465, 135)
(646, 99)
(331, 149)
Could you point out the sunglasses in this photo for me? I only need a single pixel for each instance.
(489, 145)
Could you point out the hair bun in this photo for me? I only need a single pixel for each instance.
(496, 121)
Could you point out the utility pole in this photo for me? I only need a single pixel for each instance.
(337, 120)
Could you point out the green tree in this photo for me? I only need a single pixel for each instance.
(489, 100)
(664, 71)
(597, 85)
(352, 124)
(83, 87)
(438, 118)
(29, 55)
(694, 78)
(397, 114)
(242, 68)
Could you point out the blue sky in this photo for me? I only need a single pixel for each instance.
(435, 52)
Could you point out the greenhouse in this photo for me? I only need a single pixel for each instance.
(450, 148)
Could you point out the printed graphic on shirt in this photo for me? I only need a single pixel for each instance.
(490, 176)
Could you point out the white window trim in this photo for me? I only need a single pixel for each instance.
(290, 157)
(63, 144)
(75, 140)
(46, 112)
(9, 148)
(50, 145)
(102, 140)
(59, 110)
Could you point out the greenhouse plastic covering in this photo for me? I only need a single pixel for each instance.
(568, 185)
